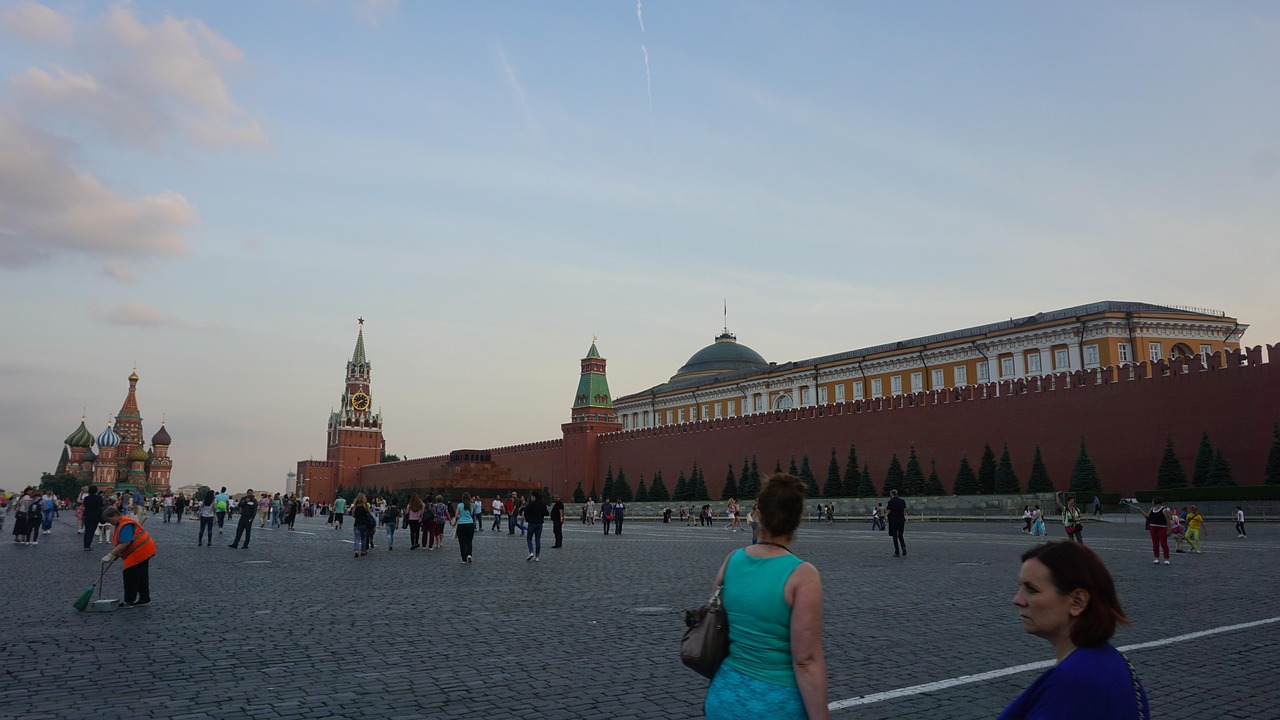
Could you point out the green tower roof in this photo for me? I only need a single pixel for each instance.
(358, 356)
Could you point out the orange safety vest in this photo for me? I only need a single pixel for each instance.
(142, 548)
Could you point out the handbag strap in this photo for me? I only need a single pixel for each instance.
(1137, 689)
(714, 602)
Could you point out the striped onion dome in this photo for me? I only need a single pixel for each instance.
(81, 437)
(139, 454)
(108, 438)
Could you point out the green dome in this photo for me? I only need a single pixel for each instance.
(724, 356)
(81, 437)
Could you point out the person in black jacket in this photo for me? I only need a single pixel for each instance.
(534, 513)
(92, 515)
(248, 508)
(557, 522)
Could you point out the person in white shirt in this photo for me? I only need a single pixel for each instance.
(497, 513)
(1240, 522)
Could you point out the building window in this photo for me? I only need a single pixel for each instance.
(1122, 352)
(961, 374)
(757, 403)
(1154, 351)
(804, 396)
(939, 379)
(877, 387)
(626, 422)
(731, 403)
(645, 415)
(1061, 361)
(705, 414)
(822, 395)
(681, 416)
(857, 389)
(840, 392)
(917, 382)
(1205, 352)
(783, 402)
(717, 410)
(895, 384)
(1006, 367)
(668, 417)
(1033, 363)
(1091, 355)
(984, 371)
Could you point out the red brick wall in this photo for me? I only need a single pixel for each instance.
(1124, 424)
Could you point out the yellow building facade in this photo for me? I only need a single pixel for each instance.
(728, 379)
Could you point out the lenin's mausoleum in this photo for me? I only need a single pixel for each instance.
(1123, 378)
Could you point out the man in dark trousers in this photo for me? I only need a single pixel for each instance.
(897, 508)
(619, 513)
(248, 507)
(557, 522)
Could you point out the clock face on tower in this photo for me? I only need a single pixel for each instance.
(360, 401)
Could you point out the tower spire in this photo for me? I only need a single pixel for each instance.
(358, 356)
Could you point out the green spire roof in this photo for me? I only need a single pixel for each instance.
(593, 353)
(358, 356)
(593, 391)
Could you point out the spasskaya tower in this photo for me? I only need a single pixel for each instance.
(354, 435)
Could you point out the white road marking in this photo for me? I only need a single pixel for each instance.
(1014, 670)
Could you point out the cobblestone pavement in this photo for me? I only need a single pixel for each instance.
(295, 627)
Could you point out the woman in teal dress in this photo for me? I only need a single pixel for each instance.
(775, 667)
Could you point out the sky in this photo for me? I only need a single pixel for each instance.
(213, 192)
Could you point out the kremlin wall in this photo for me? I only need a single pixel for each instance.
(1124, 413)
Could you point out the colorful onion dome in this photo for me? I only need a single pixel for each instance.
(139, 454)
(161, 437)
(108, 438)
(81, 437)
(89, 456)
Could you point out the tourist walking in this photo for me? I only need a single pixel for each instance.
(1240, 523)
(1037, 521)
(221, 503)
(534, 514)
(606, 515)
(339, 509)
(731, 510)
(1195, 528)
(21, 529)
(1026, 519)
(557, 522)
(775, 667)
(390, 518)
(295, 505)
(180, 506)
(1067, 597)
(464, 522)
(1176, 530)
(134, 544)
(897, 509)
(619, 514)
(207, 514)
(416, 509)
(1158, 526)
(92, 515)
(512, 508)
(1071, 521)
(591, 510)
(168, 506)
(362, 524)
(248, 509)
(877, 518)
(496, 508)
(264, 510)
(48, 506)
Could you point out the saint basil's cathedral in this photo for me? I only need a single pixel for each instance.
(122, 461)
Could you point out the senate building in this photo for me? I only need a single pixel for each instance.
(1122, 379)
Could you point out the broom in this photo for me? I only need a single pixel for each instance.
(82, 602)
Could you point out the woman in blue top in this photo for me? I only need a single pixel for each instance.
(775, 667)
(466, 527)
(1067, 596)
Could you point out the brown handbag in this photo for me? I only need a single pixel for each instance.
(706, 641)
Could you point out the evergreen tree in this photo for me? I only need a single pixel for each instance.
(866, 487)
(987, 471)
(833, 486)
(594, 495)
(698, 487)
(642, 495)
(1084, 476)
(1170, 473)
(1204, 462)
(1271, 472)
(777, 467)
(682, 488)
(793, 470)
(1039, 481)
(730, 486)
(966, 482)
(850, 484)
(579, 497)
(658, 490)
(806, 476)
(893, 479)
(744, 481)
(621, 488)
(1006, 481)
(933, 485)
(609, 491)
(913, 480)
(1221, 472)
(755, 478)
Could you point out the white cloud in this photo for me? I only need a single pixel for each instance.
(148, 83)
(48, 207)
(36, 23)
(137, 314)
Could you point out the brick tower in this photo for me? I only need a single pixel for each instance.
(592, 415)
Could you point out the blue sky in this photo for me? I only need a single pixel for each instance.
(214, 191)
